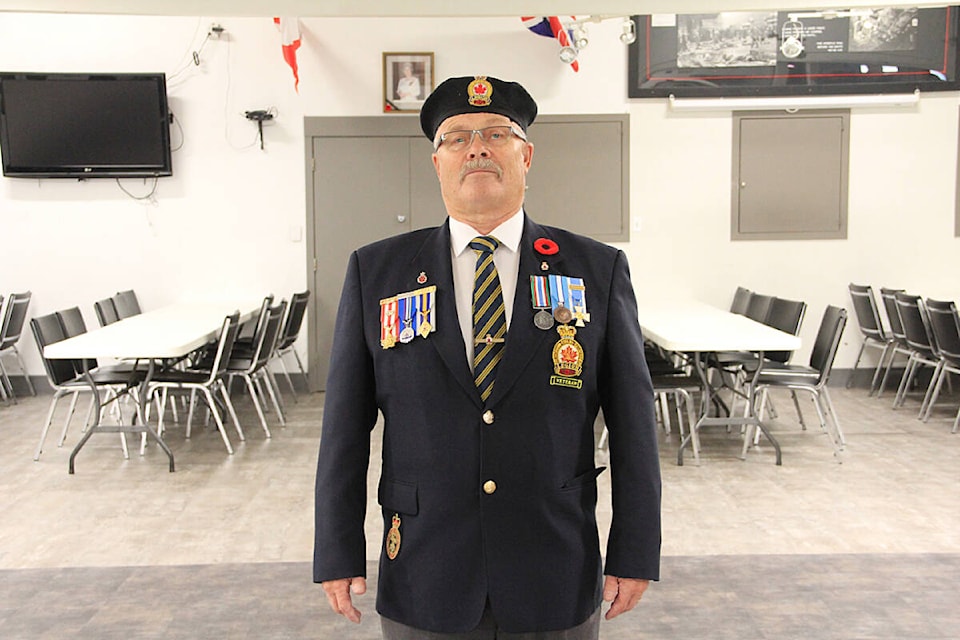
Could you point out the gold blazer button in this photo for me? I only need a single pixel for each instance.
(489, 487)
(488, 417)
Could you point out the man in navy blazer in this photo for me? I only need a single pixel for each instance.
(488, 504)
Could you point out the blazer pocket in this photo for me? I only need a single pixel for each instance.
(399, 496)
(583, 479)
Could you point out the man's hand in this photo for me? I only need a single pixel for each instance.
(338, 594)
(624, 593)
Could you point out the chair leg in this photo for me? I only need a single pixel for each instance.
(876, 374)
(229, 405)
(828, 403)
(123, 446)
(664, 412)
(296, 356)
(286, 374)
(162, 409)
(925, 406)
(796, 404)
(26, 376)
(256, 403)
(678, 402)
(856, 363)
(191, 408)
(956, 423)
(66, 422)
(933, 392)
(5, 382)
(904, 383)
(691, 422)
(262, 379)
(59, 393)
(216, 416)
(886, 373)
(274, 389)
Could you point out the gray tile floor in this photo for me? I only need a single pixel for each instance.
(869, 548)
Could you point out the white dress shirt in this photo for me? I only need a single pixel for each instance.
(506, 258)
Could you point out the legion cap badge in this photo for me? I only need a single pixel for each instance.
(479, 91)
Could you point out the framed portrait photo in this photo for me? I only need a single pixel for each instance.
(407, 80)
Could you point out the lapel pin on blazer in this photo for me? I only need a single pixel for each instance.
(539, 289)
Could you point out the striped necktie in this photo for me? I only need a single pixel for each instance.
(489, 320)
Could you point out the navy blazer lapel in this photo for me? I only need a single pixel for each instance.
(523, 338)
(433, 259)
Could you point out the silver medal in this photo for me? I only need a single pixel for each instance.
(543, 320)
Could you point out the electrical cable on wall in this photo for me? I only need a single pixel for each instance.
(148, 197)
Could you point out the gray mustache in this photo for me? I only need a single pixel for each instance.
(480, 164)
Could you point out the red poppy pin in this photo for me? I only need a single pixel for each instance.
(545, 246)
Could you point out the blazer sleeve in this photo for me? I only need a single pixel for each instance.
(350, 413)
(626, 397)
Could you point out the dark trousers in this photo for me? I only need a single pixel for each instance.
(487, 630)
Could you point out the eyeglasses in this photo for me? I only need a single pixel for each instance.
(462, 138)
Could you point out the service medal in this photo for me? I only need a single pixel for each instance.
(388, 322)
(543, 320)
(540, 295)
(562, 314)
(406, 317)
(425, 329)
(393, 538)
(425, 314)
(578, 301)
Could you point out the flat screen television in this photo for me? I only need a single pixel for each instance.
(84, 125)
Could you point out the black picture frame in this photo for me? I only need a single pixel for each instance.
(888, 50)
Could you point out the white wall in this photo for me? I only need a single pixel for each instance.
(230, 217)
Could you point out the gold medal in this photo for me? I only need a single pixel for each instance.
(425, 329)
(393, 537)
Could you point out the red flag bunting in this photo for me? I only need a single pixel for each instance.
(290, 41)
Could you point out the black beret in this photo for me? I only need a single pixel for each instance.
(480, 94)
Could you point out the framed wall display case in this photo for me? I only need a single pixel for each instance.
(791, 53)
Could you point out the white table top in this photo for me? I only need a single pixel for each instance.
(168, 332)
(687, 325)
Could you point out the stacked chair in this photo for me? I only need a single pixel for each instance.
(11, 327)
(899, 345)
(289, 335)
(812, 378)
(923, 349)
(249, 361)
(945, 324)
(871, 331)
